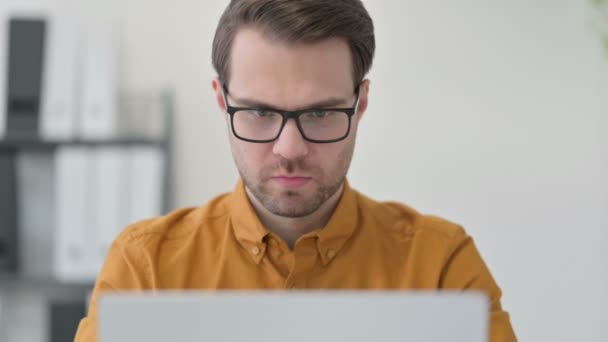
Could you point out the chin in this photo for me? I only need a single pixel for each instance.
(291, 203)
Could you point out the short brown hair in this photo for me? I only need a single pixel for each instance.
(304, 21)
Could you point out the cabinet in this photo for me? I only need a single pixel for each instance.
(37, 305)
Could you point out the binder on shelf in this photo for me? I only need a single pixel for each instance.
(35, 214)
(2, 318)
(100, 190)
(58, 113)
(111, 189)
(99, 84)
(8, 212)
(3, 68)
(146, 172)
(64, 319)
(75, 234)
(26, 45)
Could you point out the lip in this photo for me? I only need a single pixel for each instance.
(291, 181)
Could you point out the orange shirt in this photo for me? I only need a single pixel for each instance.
(365, 245)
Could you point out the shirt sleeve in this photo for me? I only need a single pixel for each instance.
(121, 271)
(465, 269)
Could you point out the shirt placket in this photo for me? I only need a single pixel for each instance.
(305, 259)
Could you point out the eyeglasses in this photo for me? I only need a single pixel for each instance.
(264, 125)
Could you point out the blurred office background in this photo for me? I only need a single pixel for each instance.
(493, 114)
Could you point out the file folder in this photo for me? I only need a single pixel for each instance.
(111, 189)
(75, 228)
(64, 319)
(145, 182)
(99, 83)
(3, 68)
(26, 45)
(8, 213)
(36, 213)
(59, 101)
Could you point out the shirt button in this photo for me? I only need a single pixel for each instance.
(255, 250)
(331, 254)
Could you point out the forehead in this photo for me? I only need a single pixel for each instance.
(289, 74)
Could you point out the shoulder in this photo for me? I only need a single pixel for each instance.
(408, 221)
(175, 225)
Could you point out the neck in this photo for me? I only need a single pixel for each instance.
(290, 229)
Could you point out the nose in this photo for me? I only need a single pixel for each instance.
(290, 144)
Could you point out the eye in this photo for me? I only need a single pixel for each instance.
(261, 112)
(319, 114)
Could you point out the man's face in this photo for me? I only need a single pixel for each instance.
(290, 176)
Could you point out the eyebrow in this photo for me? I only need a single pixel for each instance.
(331, 102)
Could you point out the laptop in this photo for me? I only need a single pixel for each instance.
(294, 316)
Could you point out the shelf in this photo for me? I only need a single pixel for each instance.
(42, 285)
(39, 144)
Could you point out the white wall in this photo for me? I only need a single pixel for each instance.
(490, 113)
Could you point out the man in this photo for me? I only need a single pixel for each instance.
(291, 85)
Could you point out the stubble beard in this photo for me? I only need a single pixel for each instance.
(293, 203)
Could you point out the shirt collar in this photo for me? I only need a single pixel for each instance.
(251, 234)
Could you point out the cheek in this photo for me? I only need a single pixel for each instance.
(333, 158)
(345, 155)
(249, 157)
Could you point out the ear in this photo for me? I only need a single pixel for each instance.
(363, 98)
(219, 93)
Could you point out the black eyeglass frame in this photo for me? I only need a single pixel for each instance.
(292, 115)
